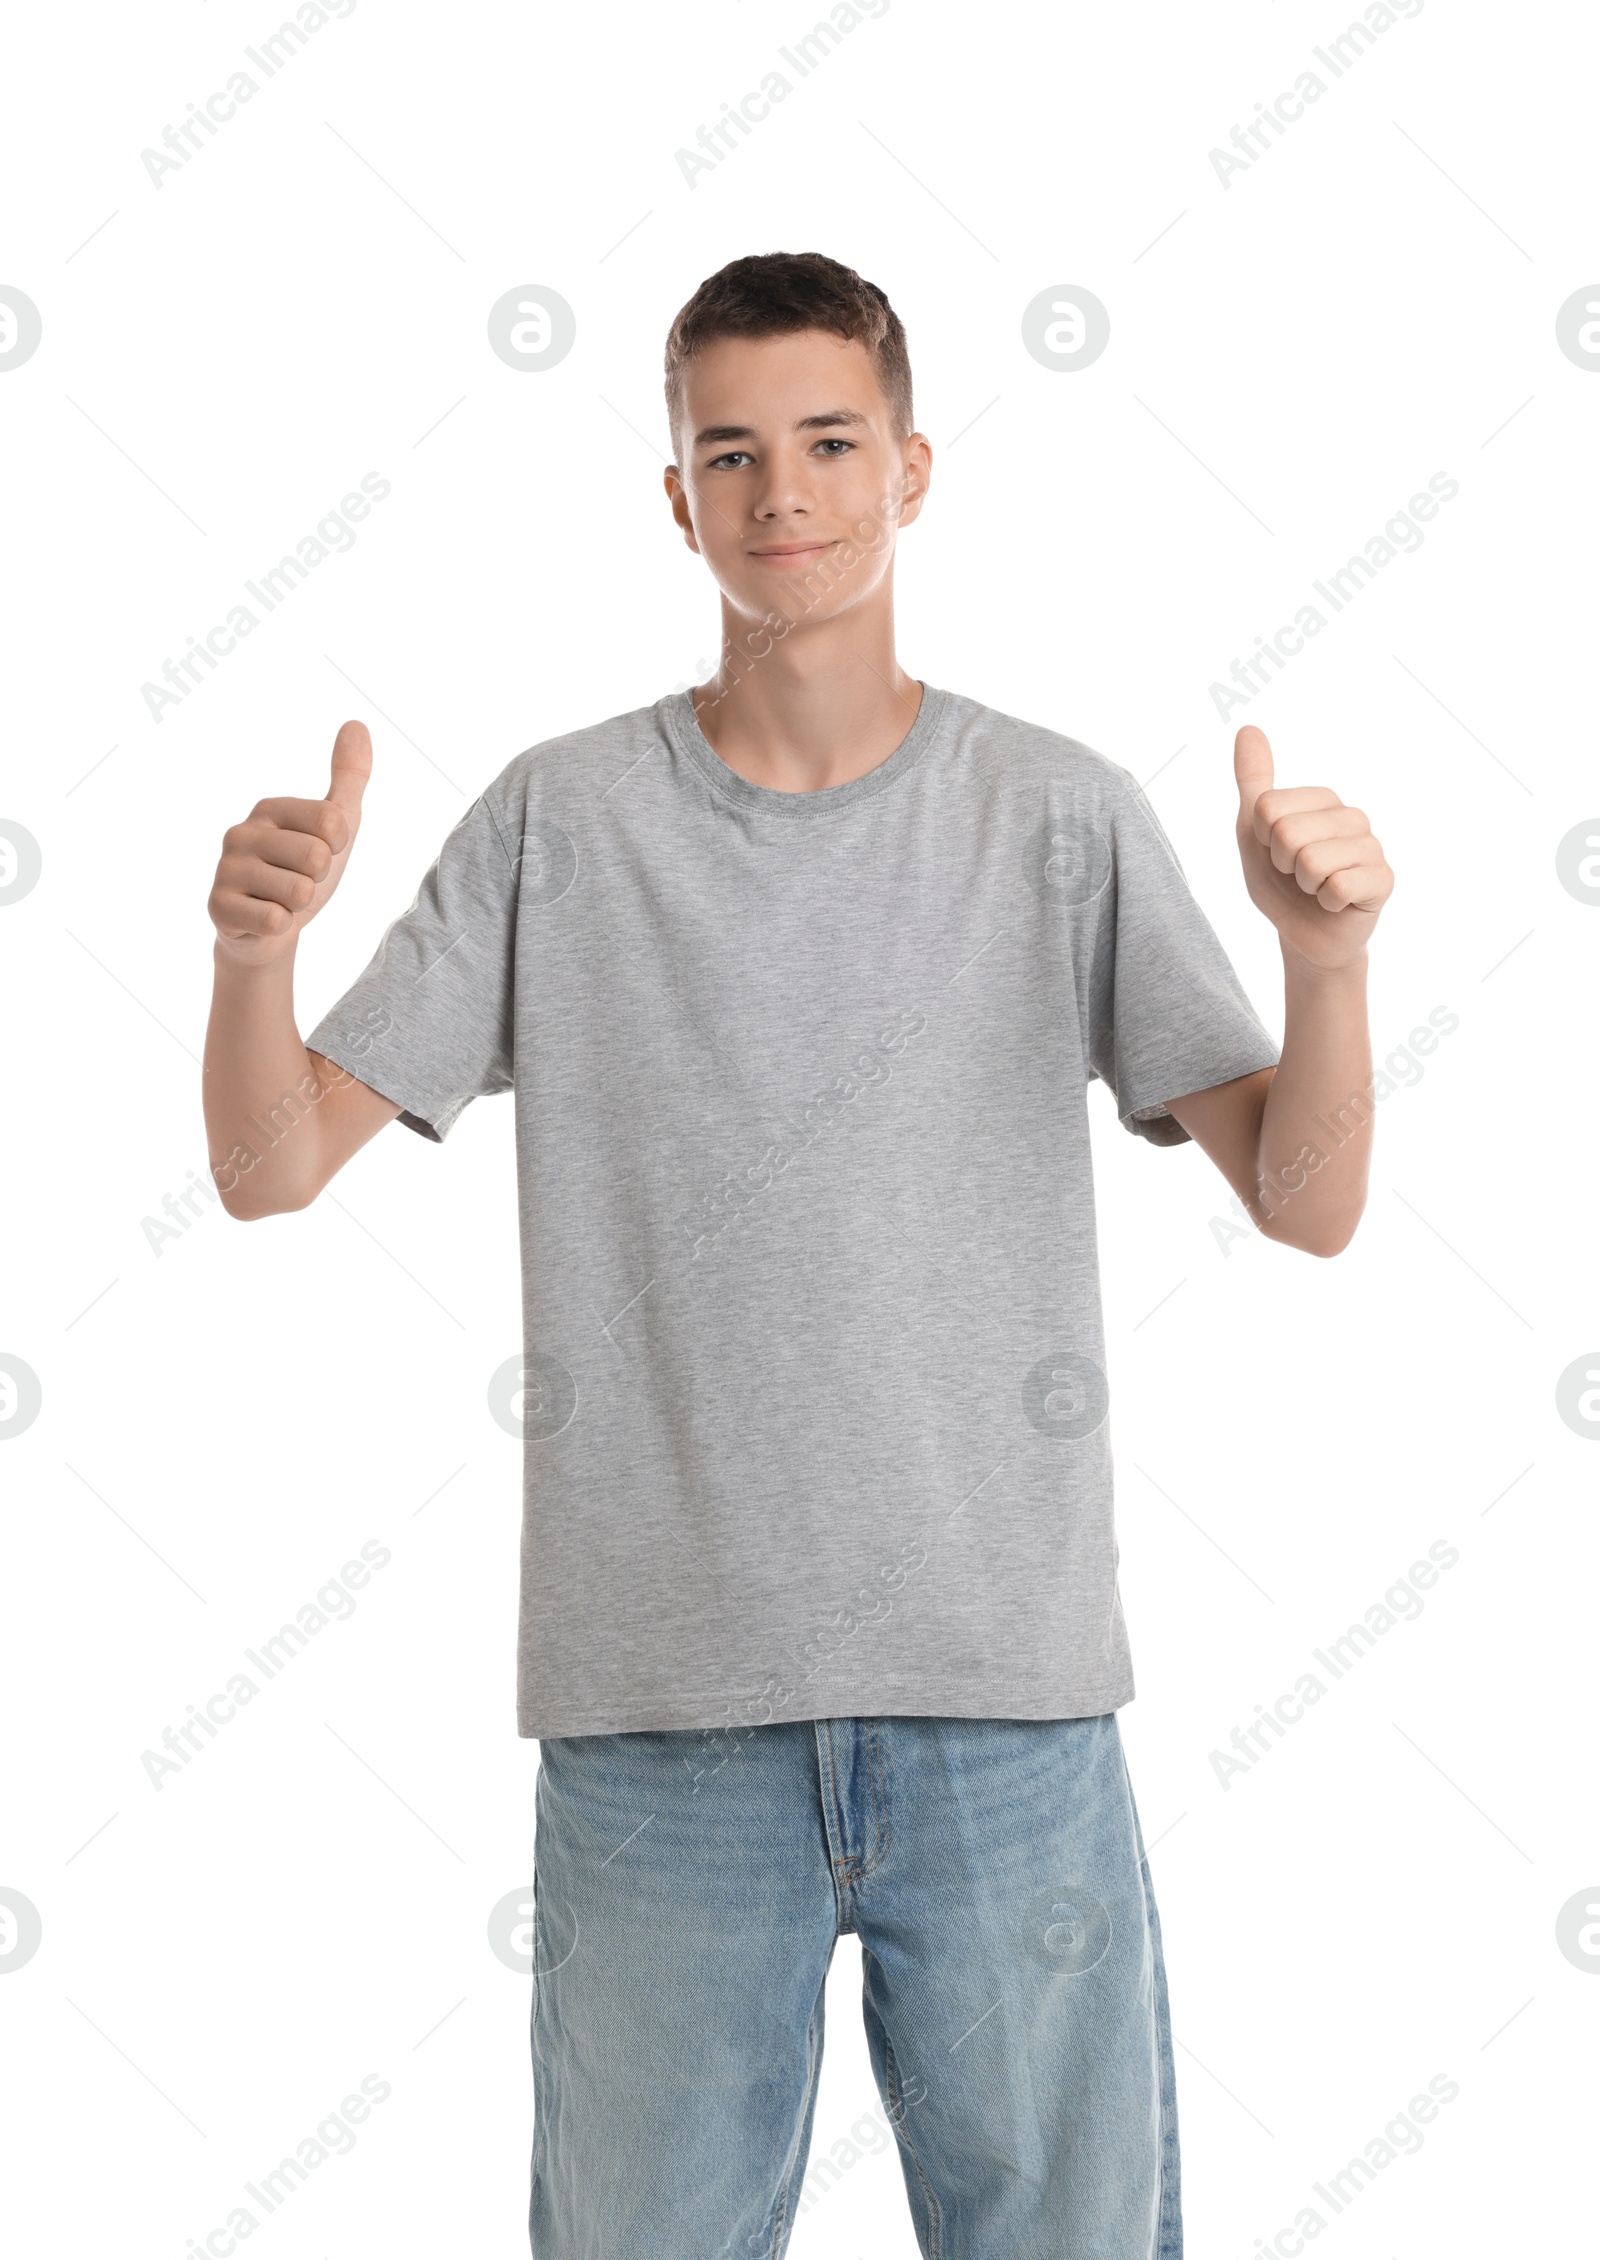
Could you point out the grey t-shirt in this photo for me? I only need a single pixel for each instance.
(814, 1393)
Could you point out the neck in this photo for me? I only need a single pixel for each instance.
(809, 707)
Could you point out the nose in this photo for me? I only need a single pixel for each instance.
(786, 489)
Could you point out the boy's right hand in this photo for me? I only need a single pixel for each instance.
(281, 864)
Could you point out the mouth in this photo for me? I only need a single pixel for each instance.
(788, 554)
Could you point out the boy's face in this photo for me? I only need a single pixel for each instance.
(791, 480)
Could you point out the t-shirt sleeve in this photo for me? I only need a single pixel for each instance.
(1166, 1013)
(429, 1021)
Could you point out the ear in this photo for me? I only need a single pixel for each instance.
(917, 457)
(677, 495)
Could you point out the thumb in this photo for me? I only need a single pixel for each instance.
(352, 766)
(1252, 768)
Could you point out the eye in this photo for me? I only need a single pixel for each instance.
(847, 444)
(717, 461)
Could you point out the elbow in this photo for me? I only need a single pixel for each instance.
(250, 1205)
(246, 1212)
(1322, 1240)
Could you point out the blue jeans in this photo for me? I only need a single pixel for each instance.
(689, 1888)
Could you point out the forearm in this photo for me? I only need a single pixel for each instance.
(261, 1091)
(1315, 1142)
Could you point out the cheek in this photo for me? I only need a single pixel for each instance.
(710, 525)
(864, 560)
(717, 537)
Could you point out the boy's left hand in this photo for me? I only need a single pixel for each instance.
(1311, 864)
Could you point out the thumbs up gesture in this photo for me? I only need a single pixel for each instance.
(1311, 864)
(281, 864)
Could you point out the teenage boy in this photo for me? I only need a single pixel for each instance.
(799, 979)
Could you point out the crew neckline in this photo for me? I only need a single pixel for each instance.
(683, 726)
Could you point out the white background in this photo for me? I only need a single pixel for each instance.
(225, 1421)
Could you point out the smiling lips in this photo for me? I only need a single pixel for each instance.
(784, 556)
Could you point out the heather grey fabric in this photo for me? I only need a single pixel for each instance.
(814, 1396)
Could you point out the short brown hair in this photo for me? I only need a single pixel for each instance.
(773, 293)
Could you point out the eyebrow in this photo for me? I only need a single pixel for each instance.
(821, 422)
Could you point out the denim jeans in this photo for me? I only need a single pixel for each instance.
(689, 1888)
